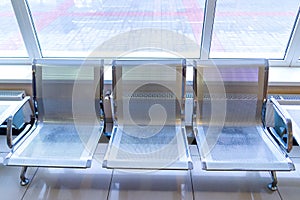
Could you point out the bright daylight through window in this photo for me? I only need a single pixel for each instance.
(68, 28)
(11, 42)
(258, 29)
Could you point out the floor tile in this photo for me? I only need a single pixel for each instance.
(231, 185)
(10, 188)
(131, 185)
(288, 188)
(73, 184)
(289, 182)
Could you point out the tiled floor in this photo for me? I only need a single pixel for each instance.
(99, 183)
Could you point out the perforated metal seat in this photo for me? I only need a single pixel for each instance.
(228, 121)
(69, 119)
(148, 108)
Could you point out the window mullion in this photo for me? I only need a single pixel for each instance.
(25, 23)
(293, 51)
(208, 22)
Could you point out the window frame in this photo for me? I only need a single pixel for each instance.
(30, 37)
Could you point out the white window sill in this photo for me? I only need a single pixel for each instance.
(15, 74)
(278, 76)
(284, 76)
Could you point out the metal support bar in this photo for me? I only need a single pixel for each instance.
(208, 22)
(293, 52)
(34, 98)
(25, 22)
(9, 132)
(24, 181)
(102, 114)
(109, 96)
(273, 186)
(9, 139)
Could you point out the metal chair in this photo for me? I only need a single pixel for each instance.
(69, 120)
(229, 118)
(289, 104)
(148, 109)
(15, 112)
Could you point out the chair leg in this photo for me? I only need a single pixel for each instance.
(273, 186)
(24, 181)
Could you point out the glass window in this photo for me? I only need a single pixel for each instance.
(255, 28)
(75, 28)
(11, 42)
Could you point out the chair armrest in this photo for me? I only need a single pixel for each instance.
(10, 142)
(283, 126)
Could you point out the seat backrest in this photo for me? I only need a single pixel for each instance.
(230, 92)
(149, 92)
(64, 90)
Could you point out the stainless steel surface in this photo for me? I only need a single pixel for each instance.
(24, 181)
(154, 148)
(99, 183)
(240, 148)
(295, 113)
(69, 118)
(229, 100)
(282, 126)
(10, 108)
(15, 110)
(148, 106)
(273, 186)
(57, 145)
(292, 107)
(11, 95)
(9, 132)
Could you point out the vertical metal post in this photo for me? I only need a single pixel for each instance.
(208, 22)
(26, 26)
(273, 186)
